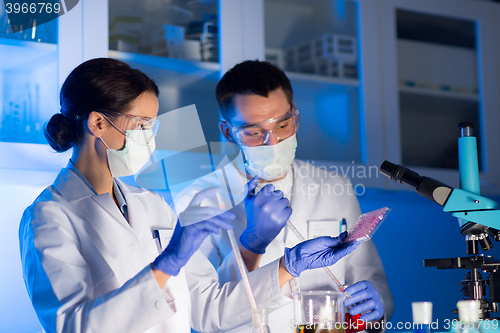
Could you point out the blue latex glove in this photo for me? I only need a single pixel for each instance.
(186, 240)
(267, 213)
(316, 253)
(364, 292)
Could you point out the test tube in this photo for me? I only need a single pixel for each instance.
(241, 266)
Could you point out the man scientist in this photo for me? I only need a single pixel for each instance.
(258, 114)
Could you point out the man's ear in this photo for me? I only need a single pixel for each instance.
(95, 123)
(226, 130)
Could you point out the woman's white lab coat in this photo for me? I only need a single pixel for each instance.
(88, 270)
(319, 196)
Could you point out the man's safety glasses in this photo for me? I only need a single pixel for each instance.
(150, 126)
(281, 127)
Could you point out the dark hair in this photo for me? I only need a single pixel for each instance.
(97, 84)
(250, 77)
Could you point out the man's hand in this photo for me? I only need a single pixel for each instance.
(267, 213)
(364, 292)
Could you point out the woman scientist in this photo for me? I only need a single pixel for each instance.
(91, 261)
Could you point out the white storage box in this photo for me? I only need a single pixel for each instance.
(345, 48)
(163, 48)
(123, 44)
(329, 54)
(173, 34)
(275, 57)
(192, 50)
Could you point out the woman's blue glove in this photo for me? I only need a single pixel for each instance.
(316, 253)
(364, 292)
(186, 240)
(267, 213)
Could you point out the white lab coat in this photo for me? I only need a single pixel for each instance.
(88, 270)
(318, 195)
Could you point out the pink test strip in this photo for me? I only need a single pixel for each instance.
(366, 225)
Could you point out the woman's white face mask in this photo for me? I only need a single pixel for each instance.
(132, 158)
(270, 162)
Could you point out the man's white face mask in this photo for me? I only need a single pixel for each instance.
(270, 162)
(136, 153)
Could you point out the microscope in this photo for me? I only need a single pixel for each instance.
(478, 217)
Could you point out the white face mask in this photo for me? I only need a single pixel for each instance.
(270, 162)
(136, 153)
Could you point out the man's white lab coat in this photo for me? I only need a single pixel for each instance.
(319, 195)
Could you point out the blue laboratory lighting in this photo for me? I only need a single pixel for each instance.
(334, 116)
(340, 10)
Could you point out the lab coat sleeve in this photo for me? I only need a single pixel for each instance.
(364, 263)
(60, 285)
(217, 308)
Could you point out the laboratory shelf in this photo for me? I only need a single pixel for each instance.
(31, 156)
(172, 72)
(438, 93)
(181, 83)
(164, 62)
(30, 164)
(24, 55)
(313, 78)
(28, 44)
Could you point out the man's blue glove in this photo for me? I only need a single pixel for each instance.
(316, 253)
(186, 240)
(267, 213)
(364, 292)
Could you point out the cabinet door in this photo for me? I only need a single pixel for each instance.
(33, 65)
(28, 80)
(319, 44)
(177, 45)
(439, 68)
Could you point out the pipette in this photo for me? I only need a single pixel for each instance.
(241, 266)
(339, 286)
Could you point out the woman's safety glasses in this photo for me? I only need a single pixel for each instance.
(150, 126)
(282, 127)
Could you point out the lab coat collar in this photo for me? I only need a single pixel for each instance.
(71, 187)
(74, 190)
(112, 233)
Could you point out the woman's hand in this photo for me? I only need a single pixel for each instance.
(187, 239)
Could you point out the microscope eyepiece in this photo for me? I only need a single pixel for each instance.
(466, 128)
(400, 174)
(427, 187)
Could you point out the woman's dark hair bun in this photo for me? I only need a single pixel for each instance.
(61, 132)
(96, 84)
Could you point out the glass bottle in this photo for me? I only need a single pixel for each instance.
(259, 321)
(468, 313)
(422, 317)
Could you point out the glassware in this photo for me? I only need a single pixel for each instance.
(260, 321)
(422, 316)
(468, 313)
(319, 312)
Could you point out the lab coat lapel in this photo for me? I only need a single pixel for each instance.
(75, 191)
(135, 208)
(108, 230)
(106, 202)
